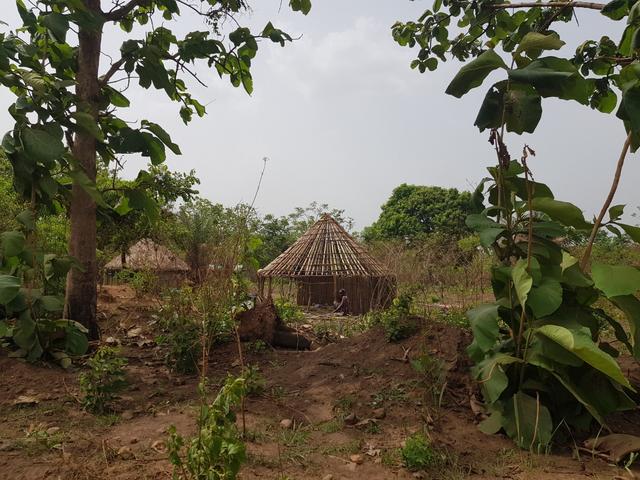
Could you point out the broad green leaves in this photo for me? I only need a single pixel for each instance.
(516, 105)
(534, 42)
(580, 344)
(40, 145)
(9, 288)
(616, 280)
(563, 212)
(522, 281)
(473, 74)
(484, 325)
(528, 422)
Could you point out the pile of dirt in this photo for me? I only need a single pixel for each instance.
(263, 323)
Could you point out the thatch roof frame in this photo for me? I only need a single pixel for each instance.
(325, 250)
(148, 255)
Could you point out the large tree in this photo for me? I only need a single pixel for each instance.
(415, 210)
(66, 104)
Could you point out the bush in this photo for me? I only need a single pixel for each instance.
(143, 282)
(396, 320)
(288, 312)
(216, 452)
(104, 379)
(418, 454)
(180, 333)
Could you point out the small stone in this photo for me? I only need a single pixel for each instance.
(134, 332)
(6, 446)
(351, 419)
(159, 446)
(127, 415)
(379, 413)
(287, 423)
(26, 401)
(125, 453)
(53, 430)
(357, 458)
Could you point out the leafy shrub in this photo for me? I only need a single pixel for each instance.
(254, 381)
(433, 373)
(418, 454)
(180, 333)
(104, 379)
(216, 452)
(536, 349)
(31, 300)
(142, 281)
(288, 312)
(396, 320)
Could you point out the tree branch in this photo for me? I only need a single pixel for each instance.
(590, 5)
(120, 13)
(607, 203)
(104, 79)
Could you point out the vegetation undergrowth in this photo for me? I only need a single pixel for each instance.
(104, 380)
(397, 321)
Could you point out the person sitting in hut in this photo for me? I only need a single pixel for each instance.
(342, 304)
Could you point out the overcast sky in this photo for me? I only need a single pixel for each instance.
(343, 119)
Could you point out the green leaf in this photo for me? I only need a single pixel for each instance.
(555, 77)
(491, 375)
(615, 280)
(473, 73)
(630, 305)
(484, 325)
(616, 212)
(303, 6)
(164, 137)
(12, 243)
(81, 179)
(51, 303)
(487, 229)
(40, 145)
(527, 422)
(516, 105)
(492, 424)
(616, 9)
(27, 220)
(545, 298)
(534, 42)
(57, 24)
(86, 123)
(522, 281)
(117, 99)
(9, 288)
(563, 212)
(579, 342)
(633, 232)
(5, 331)
(75, 342)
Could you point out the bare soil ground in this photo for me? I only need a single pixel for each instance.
(44, 433)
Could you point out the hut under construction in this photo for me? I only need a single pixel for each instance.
(326, 259)
(148, 256)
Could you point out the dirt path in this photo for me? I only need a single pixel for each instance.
(49, 436)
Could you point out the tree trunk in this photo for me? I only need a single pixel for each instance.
(82, 285)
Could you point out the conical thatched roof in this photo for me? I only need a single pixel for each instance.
(326, 249)
(148, 255)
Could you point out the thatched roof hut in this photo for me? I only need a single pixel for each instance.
(326, 259)
(147, 255)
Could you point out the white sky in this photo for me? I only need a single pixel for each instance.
(343, 119)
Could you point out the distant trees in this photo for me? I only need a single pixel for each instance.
(416, 210)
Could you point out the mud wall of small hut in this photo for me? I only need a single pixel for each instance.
(365, 293)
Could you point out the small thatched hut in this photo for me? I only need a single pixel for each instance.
(326, 259)
(148, 256)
